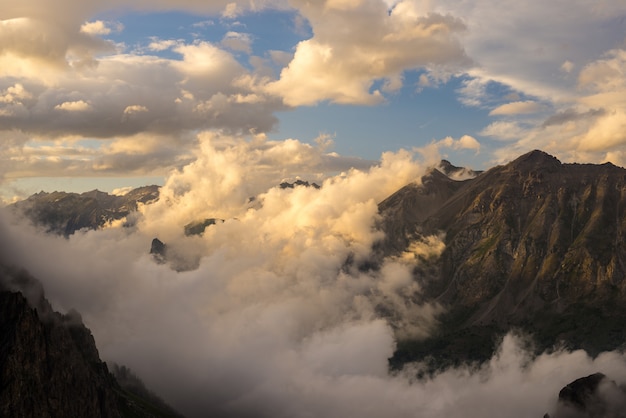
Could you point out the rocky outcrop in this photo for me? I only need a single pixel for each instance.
(456, 173)
(65, 213)
(287, 185)
(198, 227)
(593, 396)
(158, 250)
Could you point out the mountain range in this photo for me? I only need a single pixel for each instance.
(534, 246)
(65, 213)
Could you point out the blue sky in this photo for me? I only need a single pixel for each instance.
(110, 94)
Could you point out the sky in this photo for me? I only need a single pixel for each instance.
(110, 94)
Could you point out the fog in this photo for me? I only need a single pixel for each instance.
(277, 320)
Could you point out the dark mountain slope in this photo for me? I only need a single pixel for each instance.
(534, 244)
(49, 364)
(65, 213)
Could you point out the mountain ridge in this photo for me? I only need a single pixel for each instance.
(65, 213)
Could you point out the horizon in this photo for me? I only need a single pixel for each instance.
(106, 95)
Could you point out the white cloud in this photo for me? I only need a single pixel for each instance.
(75, 106)
(590, 127)
(605, 75)
(504, 130)
(231, 11)
(133, 109)
(341, 66)
(432, 152)
(516, 108)
(15, 93)
(100, 27)
(163, 44)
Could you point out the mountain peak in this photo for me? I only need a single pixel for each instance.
(534, 160)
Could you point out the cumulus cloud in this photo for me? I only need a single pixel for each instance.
(162, 44)
(100, 27)
(277, 319)
(76, 106)
(60, 80)
(199, 91)
(374, 44)
(432, 151)
(133, 109)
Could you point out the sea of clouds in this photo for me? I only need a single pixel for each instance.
(274, 318)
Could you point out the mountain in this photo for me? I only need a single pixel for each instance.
(65, 213)
(49, 364)
(534, 245)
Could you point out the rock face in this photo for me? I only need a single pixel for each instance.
(198, 227)
(287, 185)
(65, 213)
(49, 364)
(593, 396)
(534, 244)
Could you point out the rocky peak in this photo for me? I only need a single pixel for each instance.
(457, 173)
(535, 160)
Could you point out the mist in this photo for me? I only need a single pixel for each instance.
(273, 316)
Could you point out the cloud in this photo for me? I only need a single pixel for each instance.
(571, 115)
(589, 127)
(99, 27)
(605, 75)
(292, 298)
(505, 131)
(76, 106)
(275, 321)
(516, 108)
(134, 109)
(374, 44)
(432, 151)
(510, 48)
(163, 44)
(567, 66)
(237, 41)
(231, 11)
